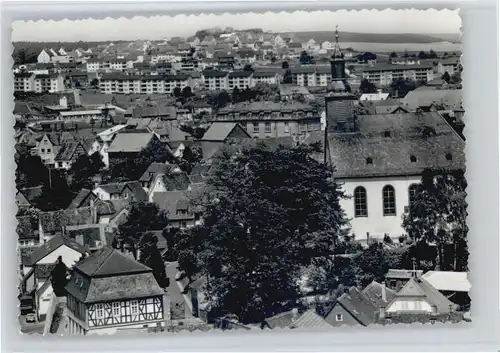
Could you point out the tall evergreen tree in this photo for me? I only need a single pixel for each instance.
(59, 278)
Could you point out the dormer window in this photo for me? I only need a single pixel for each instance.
(387, 134)
(449, 157)
(369, 160)
(413, 159)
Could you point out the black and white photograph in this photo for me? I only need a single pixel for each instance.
(240, 171)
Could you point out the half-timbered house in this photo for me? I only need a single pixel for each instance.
(109, 292)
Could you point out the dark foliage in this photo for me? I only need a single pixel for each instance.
(59, 278)
(270, 205)
(367, 87)
(438, 216)
(143, 217)
(151, 257)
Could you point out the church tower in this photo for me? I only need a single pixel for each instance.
(339, 102)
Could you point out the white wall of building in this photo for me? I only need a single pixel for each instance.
(376, 223)
(69, 256)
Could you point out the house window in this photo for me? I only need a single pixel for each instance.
(449, 157)
(360, 204)
(267, 127)
(338, 317)
(134, 307)
(413, 159)
(183, 224)
(387, 134)
(287, 128)
(116, 309)
(412, 192)
(99, 311)
(125, 195)
(388, 321)
(369, 160)
(43, 150)
(389, 200)
(48, 150)
(256, 128)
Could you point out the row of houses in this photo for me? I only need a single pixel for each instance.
(49, 55)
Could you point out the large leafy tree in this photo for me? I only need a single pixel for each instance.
(143, 217)
(30, 169)
(272, 212)
(84, 168)
(438, 216)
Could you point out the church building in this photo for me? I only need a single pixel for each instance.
(109, 291)
(379, 159)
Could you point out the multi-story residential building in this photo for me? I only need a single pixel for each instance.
(269, 119)
(215, 80)
(145, 84)
(311, 76)
(450, 65)
(24, 82)
(240, 79)
(384, 74)
(271, 78)
(49, 83)
(96, 307)
(108, 64)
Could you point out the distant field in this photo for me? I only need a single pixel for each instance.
(322, 36)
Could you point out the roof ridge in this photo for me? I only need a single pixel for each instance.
(110, 251)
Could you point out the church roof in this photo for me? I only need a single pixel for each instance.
(396, 145)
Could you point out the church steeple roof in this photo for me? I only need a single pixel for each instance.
(337, 53)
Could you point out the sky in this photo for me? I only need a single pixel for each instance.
(160, 27)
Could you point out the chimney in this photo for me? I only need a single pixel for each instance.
(382, 312)
(384, 294)
(295, 313)
(79, 239)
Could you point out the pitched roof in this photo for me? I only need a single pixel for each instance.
(82, 195)
(359, 306)
(110, 275)
(176, 181)
(156, 168)
(401, 274)
(108, 262)
(172, 202)
(54, 221)
(427, 137)
(310, 319)
(31, 194)
(130, 142)
(448, 280)
(450, 98)
(374, 292)
(51, 245)
(220, 131)
(67, 151)
(419, 287)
